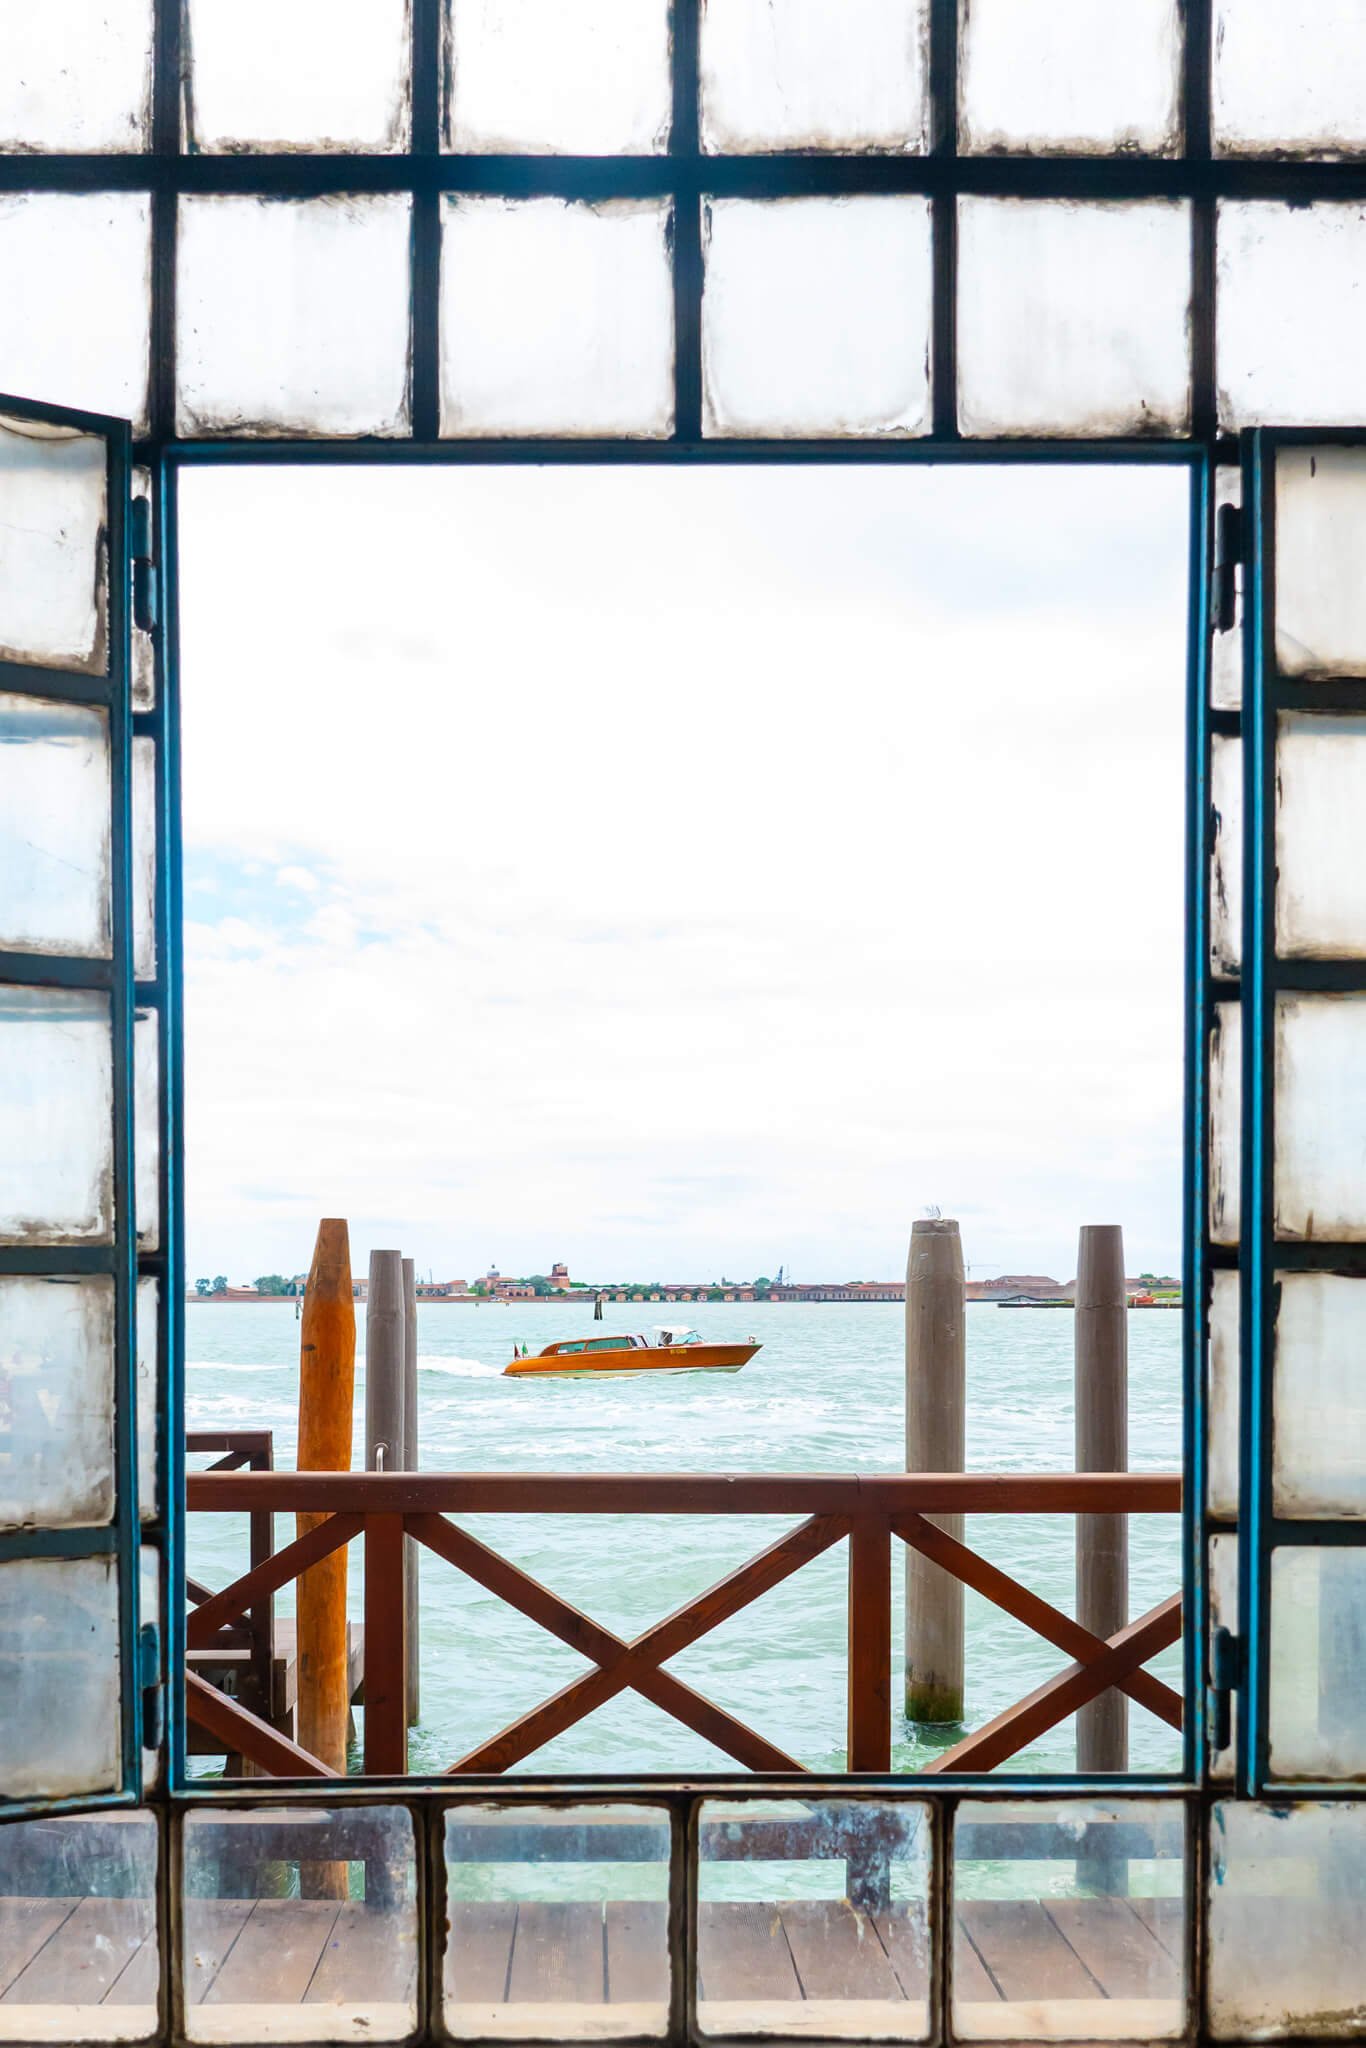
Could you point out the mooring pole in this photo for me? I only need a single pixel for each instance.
(1102, 1405)
(936, 1384)
(384, 1364)
(327, 1380)
(410, 1464)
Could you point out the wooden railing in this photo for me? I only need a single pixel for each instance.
(872, 1511)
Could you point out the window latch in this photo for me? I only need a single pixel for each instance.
(1226, 1664)
(1228, 553)
(144, 570)
(153, 1691)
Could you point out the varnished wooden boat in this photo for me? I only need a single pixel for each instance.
(585, 1357)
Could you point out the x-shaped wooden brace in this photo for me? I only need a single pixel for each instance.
(1099, 1664)
(621, 1664)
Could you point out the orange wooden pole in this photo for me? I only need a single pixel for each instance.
(327, 1377)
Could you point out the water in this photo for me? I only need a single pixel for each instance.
(823, 1395)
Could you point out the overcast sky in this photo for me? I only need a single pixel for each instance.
(686, 872)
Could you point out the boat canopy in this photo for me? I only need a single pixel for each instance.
(674, 1333)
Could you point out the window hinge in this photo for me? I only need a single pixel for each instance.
(144, 569)
(1228, 553)
(153, 1691)
(1226, 1663)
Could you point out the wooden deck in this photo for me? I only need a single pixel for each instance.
(559, 1970)
(230, 1670)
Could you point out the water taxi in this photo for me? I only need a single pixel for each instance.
(670, 1349)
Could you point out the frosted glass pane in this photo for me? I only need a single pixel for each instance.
(1287, 1898)
(149, 1396)
(146, 1132)
(76, 75)
(80, 1928)
(801, 74)
(75, 312)
(1320, 837)
(298, 74)
(1226, 855)
(1223, 1613)
(1225, 1122)
(551, 1942)
(559, 75)
(56, 1117)
(1070, 1930)
(1222, 1446)
(1318, 1663)
(1320, 547)
(53, 591)
(144, 857)
(556, 318)
(266, 1961)
(1320, 1117)
(56, 1402)
(54, 827)
(816, 317)
(1226, 649)
(1073, 317)
(1042, 75)
(1288, 77)
(59, 1677)
(1319, 1466)
(1291, 313)
(292, 315)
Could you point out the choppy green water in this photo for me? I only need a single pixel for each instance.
(824, 1394)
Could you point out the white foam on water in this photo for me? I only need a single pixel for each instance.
(460, 1368)
(216, 1365)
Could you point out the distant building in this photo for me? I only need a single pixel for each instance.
(1033, 1284)
(440, 1290)
(560, 1282)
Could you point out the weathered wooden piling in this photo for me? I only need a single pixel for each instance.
(410, 1464)
(936, 1382)
(327, 1379)
(384, 1364)
(1101, 1354)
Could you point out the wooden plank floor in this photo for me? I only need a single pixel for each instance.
(847, 1968)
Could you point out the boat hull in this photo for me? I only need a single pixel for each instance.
(613, 1364)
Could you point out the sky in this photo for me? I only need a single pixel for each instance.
(683, 873)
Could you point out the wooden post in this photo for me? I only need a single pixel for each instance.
(386, 1728)
(869, 1745)
(384, 1365)
(936, 1384)
(410, 1464)
(1102, 1405)
(327, 1379)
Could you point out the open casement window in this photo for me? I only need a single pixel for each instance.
(75, 1058)
(1298, 1658)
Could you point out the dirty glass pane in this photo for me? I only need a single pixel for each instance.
(144, 857)
(1038, 75)
(556, 318)
(149, 1394)
(1225, 1122)
(1068, 1921)
(1291, 317)
(53, 571)
(78, 1954)
(556, 1922)
(1320, 837)
(292, 315)
(1223, 1613)
(300, 1924)
(1288, 77)
(1226, 649)
(297, 74)
(1226, 855)
(149, 1609)
(816, 317)
(56, 1117)
(1320, 545)
(1320, 1119)
(59, 1677)
(142, 654)
(54, 827)
(76, 75)
(1222, 1448)
(1072, 317)
(1318, 1662)
(1287, 1899)
(75, 313)
(56, 1401)
(146, 1131)
(800, 74)
(1319, 1441)
(813, 1918)
(549, 76)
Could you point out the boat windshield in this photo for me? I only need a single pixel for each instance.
(674, 1333)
